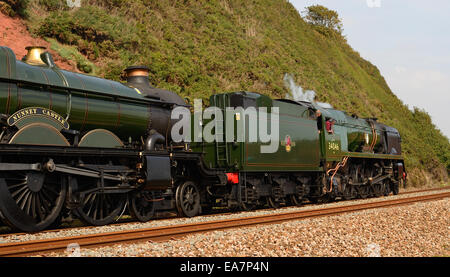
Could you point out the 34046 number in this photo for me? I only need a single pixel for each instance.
(333, 146)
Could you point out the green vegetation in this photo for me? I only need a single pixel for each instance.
(324, 18)
(14, 7)
(71, 53)
(197, 48)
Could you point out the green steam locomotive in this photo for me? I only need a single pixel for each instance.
(73, 145)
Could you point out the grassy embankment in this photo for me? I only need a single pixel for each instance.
(197, 48)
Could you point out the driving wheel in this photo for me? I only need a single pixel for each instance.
(31, 201)
(99, 207)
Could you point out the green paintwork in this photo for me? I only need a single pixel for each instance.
(30, 120)
(298, 124)
(350, 135)
(39, 134)
(86, 102)
(295, 124)
(303, 153)
(100, 138)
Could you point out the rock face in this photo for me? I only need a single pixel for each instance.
(14, 34)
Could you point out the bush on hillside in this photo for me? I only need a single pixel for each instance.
(15, 7)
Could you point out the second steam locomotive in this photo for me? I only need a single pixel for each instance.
(85, 147)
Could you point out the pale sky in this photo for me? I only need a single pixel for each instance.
(409, 41)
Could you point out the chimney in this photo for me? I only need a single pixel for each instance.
(137, 78)
(138, 75)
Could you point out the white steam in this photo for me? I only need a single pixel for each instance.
(324, 105)
(298, 94)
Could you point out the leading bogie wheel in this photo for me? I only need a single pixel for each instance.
(142, 205)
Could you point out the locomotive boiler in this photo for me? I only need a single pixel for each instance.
(86, 102)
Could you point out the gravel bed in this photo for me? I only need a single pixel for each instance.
(174, 221)
(420, 229)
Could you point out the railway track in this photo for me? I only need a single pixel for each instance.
(157, 234)
(174, 216)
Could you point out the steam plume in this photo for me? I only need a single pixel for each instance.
(298, 94)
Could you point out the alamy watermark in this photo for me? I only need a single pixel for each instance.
(373, 3)
(73, 250)
(373, 250)
(233, 124)
(73, 3)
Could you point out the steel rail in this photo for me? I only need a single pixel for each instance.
(174, 217)
(171, 232)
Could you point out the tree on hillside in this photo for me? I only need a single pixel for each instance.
(321, 16)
